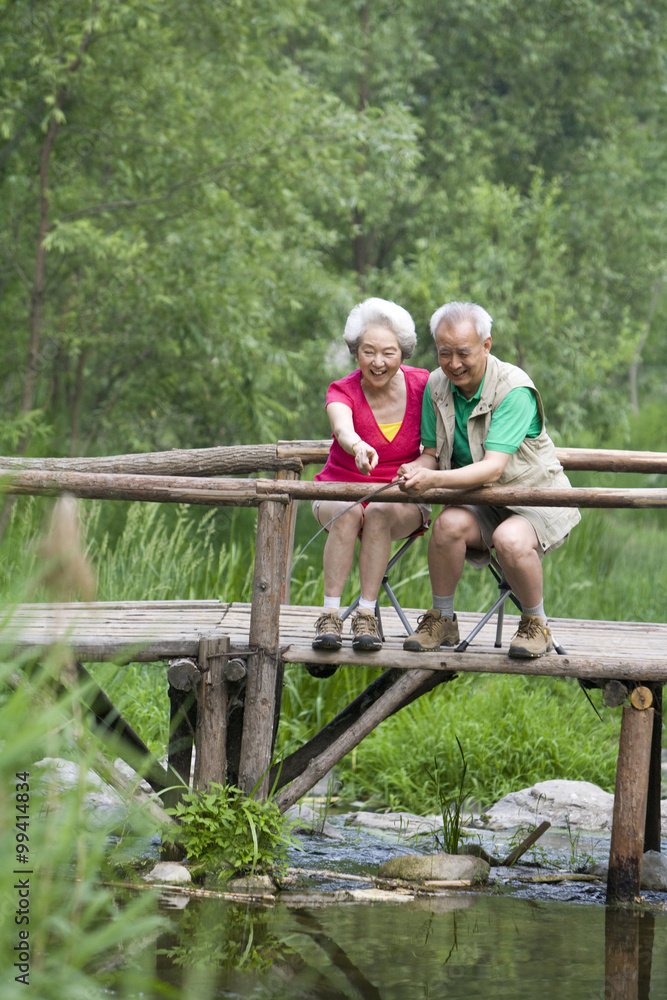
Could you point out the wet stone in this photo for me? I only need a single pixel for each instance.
(312, 821)
(654, 871)
(579, 804)
(403, 823)
(251, 884)
(436, 867)
(170, 873)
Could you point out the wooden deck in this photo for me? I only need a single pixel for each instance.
(152, 631)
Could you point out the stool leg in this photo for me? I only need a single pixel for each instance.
(397, 607)
(499, 626)
(379, 618)
(352, 607)
(498, 603)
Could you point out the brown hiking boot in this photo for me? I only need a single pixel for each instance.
(433, 631)
(533, 638)
(328, 631)
(365, 632)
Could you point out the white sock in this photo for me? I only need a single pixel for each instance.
(538, 611)
(445, 605)
(368, 605)
(332, 603)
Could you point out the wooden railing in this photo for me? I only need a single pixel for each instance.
(239, 460)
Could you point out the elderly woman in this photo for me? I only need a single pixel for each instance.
(375, 415)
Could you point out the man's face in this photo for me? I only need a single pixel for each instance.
(462, 356)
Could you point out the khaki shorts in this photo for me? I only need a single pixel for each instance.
(424, 509)
(488, 519)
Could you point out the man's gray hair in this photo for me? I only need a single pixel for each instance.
(453, 313)
(383, 313)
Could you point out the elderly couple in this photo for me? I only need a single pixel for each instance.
(475, 420)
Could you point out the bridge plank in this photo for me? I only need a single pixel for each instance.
(150, 631)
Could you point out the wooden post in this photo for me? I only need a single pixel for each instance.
(627, 835)
(289, 535)
(652, 834)
(210, 761)
(183, 677)
(264, 668)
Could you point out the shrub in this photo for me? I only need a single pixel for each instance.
(229, 831)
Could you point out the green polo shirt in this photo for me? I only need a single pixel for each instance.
(516, 418)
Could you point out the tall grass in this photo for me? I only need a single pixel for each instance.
(513, 730)
(77, 932)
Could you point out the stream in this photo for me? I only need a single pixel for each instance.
(323, 937)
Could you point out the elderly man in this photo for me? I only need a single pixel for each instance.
(482, 423)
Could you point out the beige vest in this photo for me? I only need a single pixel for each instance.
(535, 463)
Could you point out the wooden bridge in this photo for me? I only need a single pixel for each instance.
(227, 660)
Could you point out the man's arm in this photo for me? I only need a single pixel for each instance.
(420, 477)
(426, 461)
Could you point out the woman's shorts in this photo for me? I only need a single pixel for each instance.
(424, 509)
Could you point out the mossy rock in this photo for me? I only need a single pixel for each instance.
(251, 884)
(441, 867)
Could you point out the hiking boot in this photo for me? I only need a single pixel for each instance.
(328, 631)
(433, 631)
(533, 638)
(365, 632)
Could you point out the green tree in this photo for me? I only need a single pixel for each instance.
(195, 194)
(164, 262)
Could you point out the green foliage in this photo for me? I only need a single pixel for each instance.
(230, 831)
(143, 551)
(450, 809)
(194, 195)
(77, 927)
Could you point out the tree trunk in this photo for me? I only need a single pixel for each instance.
(39, 280)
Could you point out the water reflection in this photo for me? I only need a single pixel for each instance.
(629, 937)
(459, 946)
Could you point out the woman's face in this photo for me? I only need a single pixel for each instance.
(379, 356)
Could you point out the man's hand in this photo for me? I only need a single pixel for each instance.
(417, 479)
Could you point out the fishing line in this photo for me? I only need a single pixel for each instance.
(368, 496)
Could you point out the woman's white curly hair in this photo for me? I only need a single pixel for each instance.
(383, 313)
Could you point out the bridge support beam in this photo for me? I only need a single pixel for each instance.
(653, 832)
(265, 667)
(211, 733)
(630, 799)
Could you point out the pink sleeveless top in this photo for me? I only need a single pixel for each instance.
(340, 466)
